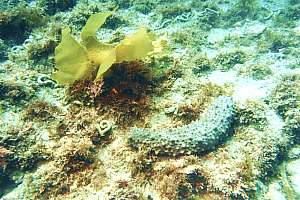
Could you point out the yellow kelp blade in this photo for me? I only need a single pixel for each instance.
(97, 51)
(71, 60)
(135, 47)
(131, 48)
(107, 63)
(94, 22)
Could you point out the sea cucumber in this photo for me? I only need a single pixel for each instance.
(198, 137)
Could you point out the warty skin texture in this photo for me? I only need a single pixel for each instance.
(198, 137)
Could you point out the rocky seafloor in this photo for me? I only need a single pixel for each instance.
(213, 114)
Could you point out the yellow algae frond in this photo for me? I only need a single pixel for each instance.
(97, 51)
(135, 47)
(77, 61)
(71, 60)
(94, 22)
(132, 48)
(106, 64)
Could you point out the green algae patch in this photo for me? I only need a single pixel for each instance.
(77, 61)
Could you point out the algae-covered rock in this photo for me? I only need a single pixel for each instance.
(258, 71)
(3, 50)
(12, 92)
(202, 64)
(276, 41)
(286, 94)
(72, 162)
(225, 61)
(53, 6)
(22, 153)
(17, 23)
(243, 9)
(253, 113)
(285, 99)
(197, 137)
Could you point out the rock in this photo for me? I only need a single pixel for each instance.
(297, 31)
(294, 152)
(293, 173)
(254, 29)
(275, 192)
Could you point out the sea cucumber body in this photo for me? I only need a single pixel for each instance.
(200, 136)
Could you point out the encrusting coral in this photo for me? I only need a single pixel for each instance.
(79, 61)
(195, 138)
